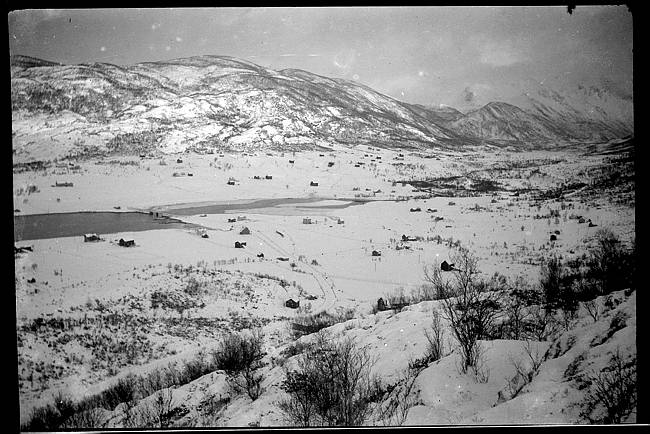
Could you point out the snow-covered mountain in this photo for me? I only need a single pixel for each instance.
(227, 103)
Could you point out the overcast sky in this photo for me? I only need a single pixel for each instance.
(427, 55)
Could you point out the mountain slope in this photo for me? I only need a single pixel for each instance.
(231, 104)
(206, 101)
(502, 121)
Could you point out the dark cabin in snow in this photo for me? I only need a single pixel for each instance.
(291, 303)
(231, 182)
(260, 255)
(239, 245)
(204, 235)
(330, 164)
(446, 266)
(232, 220)
(245, 231)
(126, 243)
(313, 184)
(268, 177)
(179, 160)
(553, 237)
(90, 237)
(418, 209)
(376, 253)
(381, 305)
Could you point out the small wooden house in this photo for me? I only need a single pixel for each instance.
(260, 255)
(179, 160)
(313, 184)
(239, 245)
(204, 235)
(245, 231)
(231, 182)
(292, 161)
(268, 177)
(446, 266)
(90, 237)
(232, 220)
(418, 209)
(126, 243)
(306, 221)
(330, 164)
(376, 253)
(291, 303)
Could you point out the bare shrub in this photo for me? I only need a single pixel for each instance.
(525, 370)
(434, 335)
(593, 309)
(240, 355)
(469, 306)
(162, 407)
(332, 387)
(613, 392)
(394, 408)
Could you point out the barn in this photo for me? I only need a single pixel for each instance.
(126, 243)
(90, 237)
(291, 303)
(245, 231)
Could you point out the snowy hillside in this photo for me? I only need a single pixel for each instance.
(225, 103)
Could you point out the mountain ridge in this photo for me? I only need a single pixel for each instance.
(228, 103)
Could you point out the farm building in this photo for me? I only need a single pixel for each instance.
(418, 209)
(451, 203)
(408, 238)
(446, 266)
(179, 160)
(232, 220)
(313, 184)
(291, 303)
(245, 231)
(63, 184)
(376, 253)
(282, 258)
(157, 215)
(260, 255)
(268, 177)
(257, 177)
(90, 237)
(126, 243)
(241, 217)
(231, 182)
(292, 161)
(239, 245)
(340, 221)
(330, 164)
(204, 235)
(306, 221)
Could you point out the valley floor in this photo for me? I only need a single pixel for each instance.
(67, 290)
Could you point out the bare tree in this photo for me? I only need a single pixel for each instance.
(434, 335)
(332, 387)
(593, 309)
(241, 356)
(467, 304)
